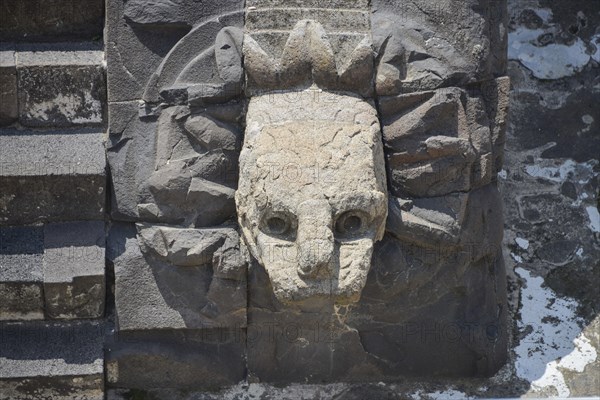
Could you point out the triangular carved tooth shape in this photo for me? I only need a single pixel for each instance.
(308, 58)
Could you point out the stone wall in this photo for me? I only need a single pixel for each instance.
(124, 271)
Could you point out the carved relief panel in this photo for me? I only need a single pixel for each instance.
(317, 178)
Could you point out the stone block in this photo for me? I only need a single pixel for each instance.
(425, 45)
(51, 20)
(74, 283)
(61, 86)
(169, 278)
(140, 35)
(8, 88)
(51, 176)
(40, 360)
(206, 359)
(21, 273)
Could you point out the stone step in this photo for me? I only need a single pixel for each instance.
(51, 20)
(52, 85)
(51, 176)
(54, 271)
(59, 361)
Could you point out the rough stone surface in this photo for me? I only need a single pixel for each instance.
(426, 45)
(143, 38)
(170, 278)
(51, 20)
(51, 360)
(53, 272)
(74, 283)
(8, 88)
(61, 85)
(40, 170)
(312, 197)
(206, 359)
(21, 273)
(297, 46)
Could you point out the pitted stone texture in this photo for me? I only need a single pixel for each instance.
(444, 141)
(297, 45)
(21, 273)
(51, 20)
(61, 85)
(169, 278)
(52, 360)
(74, 262)
(149, 45)
(53, 272)
(206, 359)
(312, 196)
(425, 45)
(8, 88)
(40, 172)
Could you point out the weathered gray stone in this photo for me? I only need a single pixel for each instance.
(295, 47)
(139, 31)
(206, 359)
(51, 20)
(425, 45)
(444, 141)
(312, 198)
(8, 88)
(60, 86)
(21, 273)
(162, 171)
(74, 283)
(39, 172)
(51, 360)
(169, 278)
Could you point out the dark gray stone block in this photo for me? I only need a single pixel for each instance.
(168, 278)
(61, 86)
(51, 20)
(426, 45)
(21, 273)
(51, 360)
(74, 284)
(52, 176)
(139, 31)
(8, 88)
(202, 359)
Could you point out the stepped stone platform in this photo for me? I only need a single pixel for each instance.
(51, 360)
(51, 176)
(54, 271)
(52, 85)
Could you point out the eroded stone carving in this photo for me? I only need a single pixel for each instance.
(354, 145)
(312, 197)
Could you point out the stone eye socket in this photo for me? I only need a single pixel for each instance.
(278, 224)
(350, 224)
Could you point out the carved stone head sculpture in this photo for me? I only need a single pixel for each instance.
(312, 196)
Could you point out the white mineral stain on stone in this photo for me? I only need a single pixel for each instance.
(555, 341)
(594, 217)
(522, 243)
(503, 174)
(517, 258)
(595, 40)
(553, 61)
(587, 119)
(559, 173)
(69, 106)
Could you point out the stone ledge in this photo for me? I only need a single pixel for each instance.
(54, 272)
(52, 360)
(54, 176)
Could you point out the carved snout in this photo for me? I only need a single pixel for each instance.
(315, 239)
